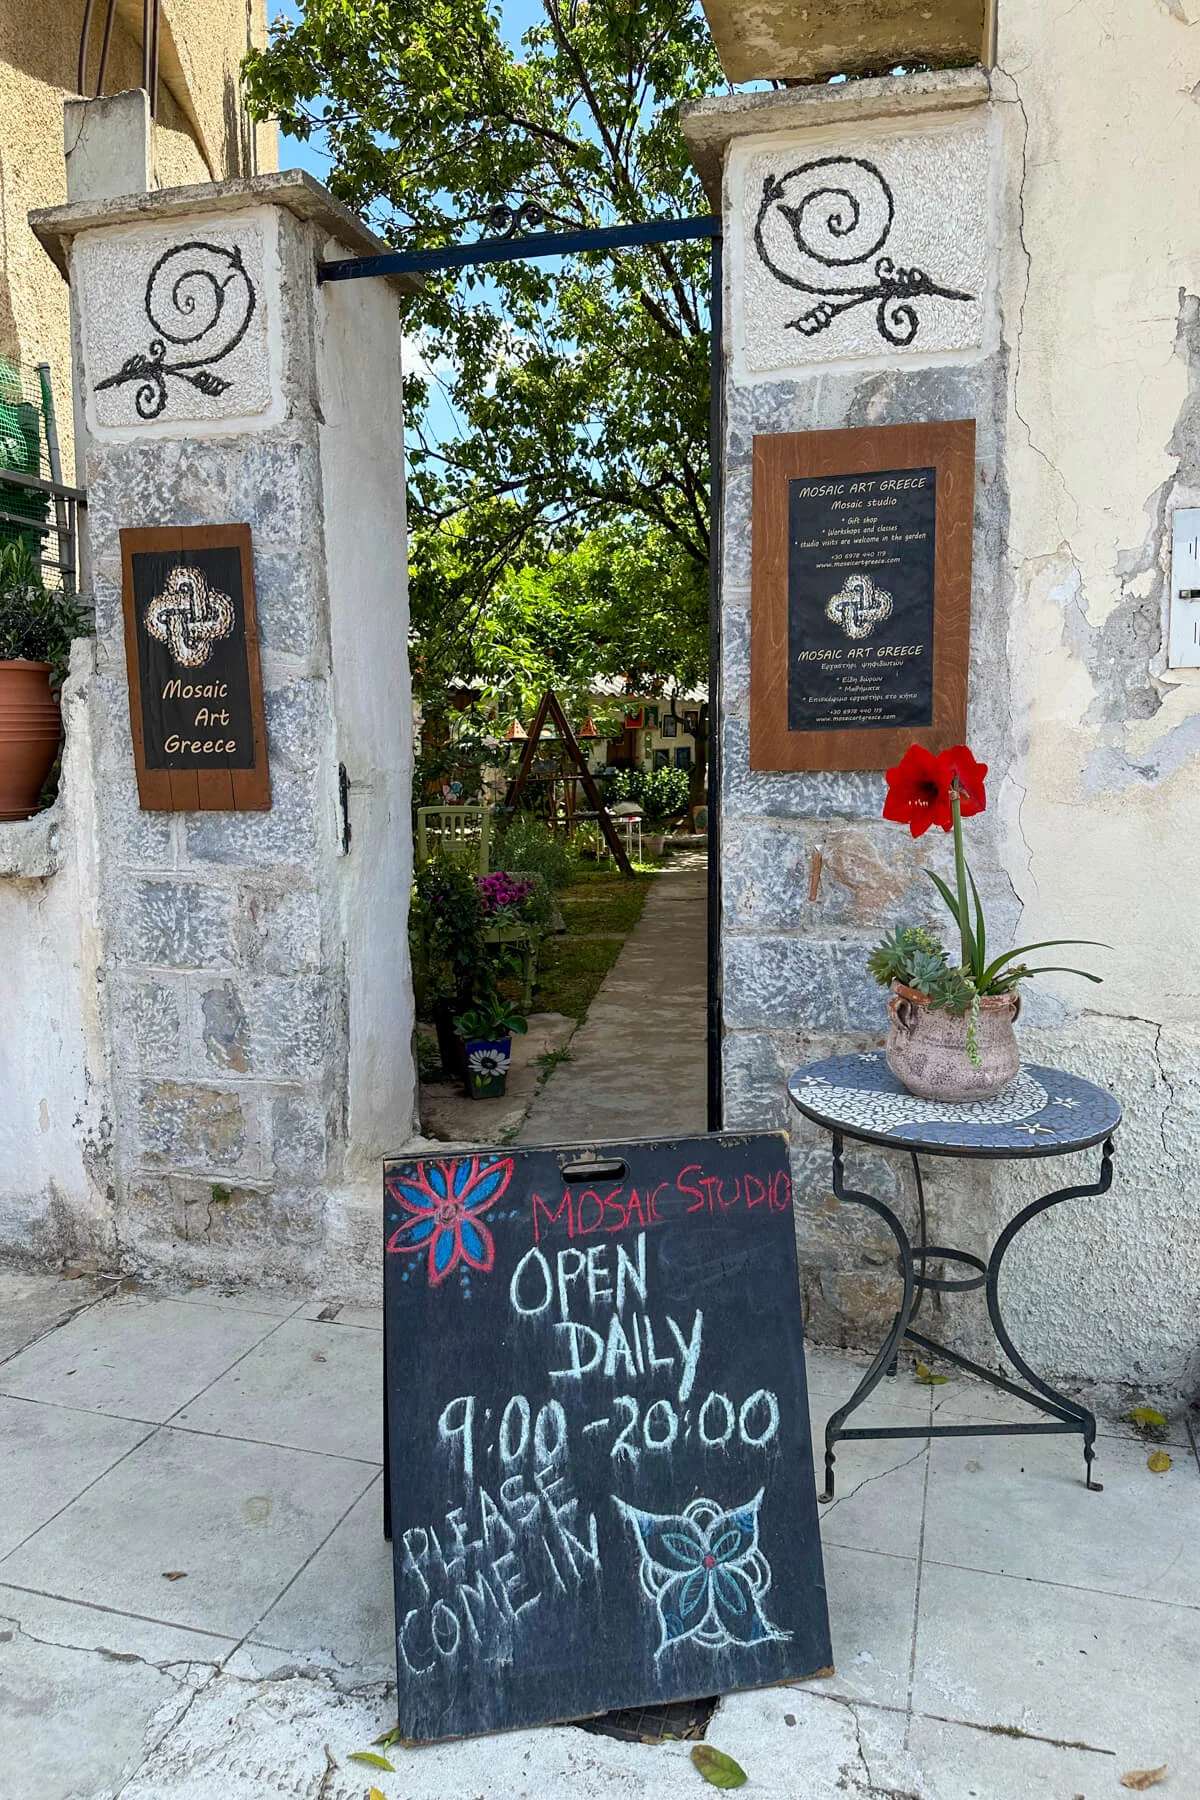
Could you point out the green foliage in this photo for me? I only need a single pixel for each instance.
(549, 1060)
(567, 521)
(493, 1017)
(447, 924)
(530, 848)
(37, 623)
(892, 959)
(661, 793)
(917, 958)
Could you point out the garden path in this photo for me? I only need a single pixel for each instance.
(637, 1067)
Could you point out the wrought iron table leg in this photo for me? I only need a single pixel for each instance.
(1087, 1420)
(885, 1357)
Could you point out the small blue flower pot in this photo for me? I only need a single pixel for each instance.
(487, 1066)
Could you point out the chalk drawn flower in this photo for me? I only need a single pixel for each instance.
(486, 1065)
(705, 1574)
(444, 1202)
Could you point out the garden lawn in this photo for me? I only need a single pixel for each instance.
(599, 910)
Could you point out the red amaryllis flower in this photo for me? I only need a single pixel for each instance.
(920, 784)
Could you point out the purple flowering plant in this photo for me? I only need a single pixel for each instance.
(502, 896)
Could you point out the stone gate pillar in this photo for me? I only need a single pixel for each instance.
(254, 994)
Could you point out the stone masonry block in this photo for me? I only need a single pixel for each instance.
(177, 924)
(225, 1028)
(870, 878)
(269, 1026)
(271, 480)
(298, 721)
(299, 1137)
(278, 930)
(792, 796)
(184, 1124)
(290, 600)
(287, 834)
(756, 1066)
(152, 1012)
(735, 660)
(798, 983)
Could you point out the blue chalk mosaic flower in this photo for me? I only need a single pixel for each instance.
(705, 1574)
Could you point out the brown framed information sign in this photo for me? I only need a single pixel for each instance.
(195, 686)
(861, 594)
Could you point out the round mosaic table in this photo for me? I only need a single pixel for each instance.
(1044, 1112)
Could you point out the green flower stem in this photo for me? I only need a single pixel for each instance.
(960, 877)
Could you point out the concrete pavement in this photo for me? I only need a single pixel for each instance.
(195, 1596)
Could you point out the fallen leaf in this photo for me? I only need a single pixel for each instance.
(1141, 1779)
(369, 1757)
(174, 1574)
(1147, 1417)
(928, 1377)
(376, 1795)
(1158, 1462)
(388, 1738)
(717, 1768)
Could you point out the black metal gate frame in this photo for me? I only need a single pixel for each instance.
(620, 237)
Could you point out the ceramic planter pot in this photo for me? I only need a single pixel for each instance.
(487, 1066)
(927, 1049)
(30, 731)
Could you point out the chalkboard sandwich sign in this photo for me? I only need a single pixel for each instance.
(861, 594)
(195, 687)
(599, 1468)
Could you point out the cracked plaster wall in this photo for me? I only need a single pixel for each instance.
(1087, 403)
(219, 1004)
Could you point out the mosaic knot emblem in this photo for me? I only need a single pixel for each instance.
(189, 617)
(704, 1573)
(859, 606)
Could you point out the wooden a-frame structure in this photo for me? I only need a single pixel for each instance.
(551, 708)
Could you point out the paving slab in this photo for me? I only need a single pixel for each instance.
(308, 1386)
(638, 1065)
(241, 1740)
(32, 1305)
(48, 1455)
(136, 1358)
(872, 1618)
(239, 1519)
(1064, 1663)
(85, 1694)
(961, 1762)
(338, 1611)
(1018, 1506)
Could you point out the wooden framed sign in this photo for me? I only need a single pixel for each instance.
(195, 687)
(600, 1479)
(861, 594)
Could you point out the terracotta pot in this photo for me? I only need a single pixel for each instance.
(927, 1049)
(30, 732)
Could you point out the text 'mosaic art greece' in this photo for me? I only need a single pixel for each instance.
(195, 686)
(600, 1470)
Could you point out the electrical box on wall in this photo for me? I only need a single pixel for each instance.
(1183, 628)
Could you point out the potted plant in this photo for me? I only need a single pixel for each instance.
(951, 1032)
(451, 964)
(487, 1034)
(36, 628)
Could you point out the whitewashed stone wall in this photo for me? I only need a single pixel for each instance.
(936, 172)
(249, 1060)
